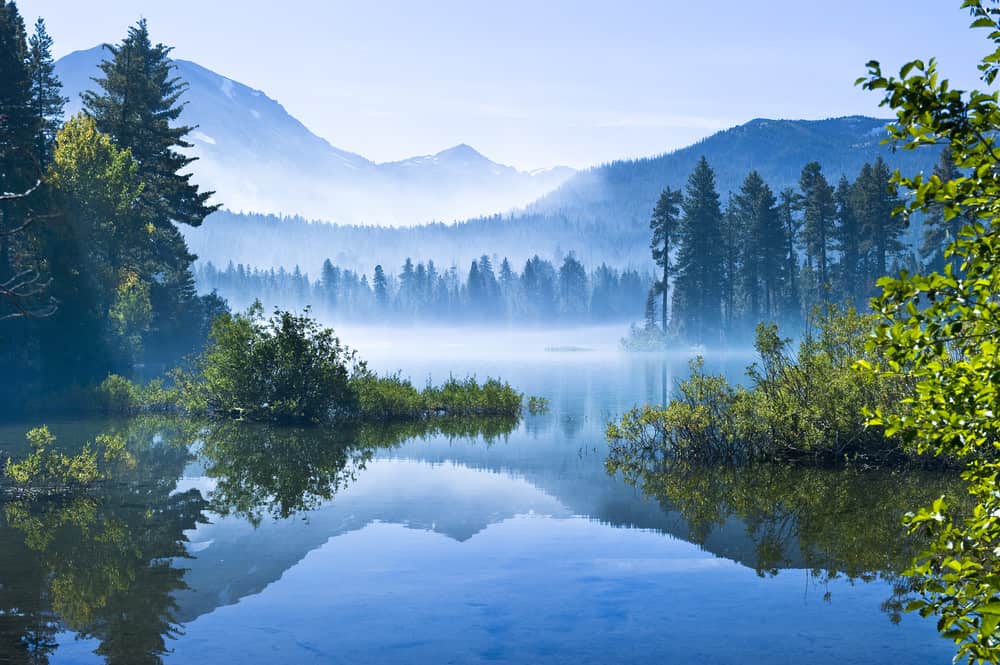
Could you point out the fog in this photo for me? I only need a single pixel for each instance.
(522, 355)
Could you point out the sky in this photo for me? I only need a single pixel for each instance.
(538, 83)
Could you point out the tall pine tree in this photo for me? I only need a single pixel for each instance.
(818, 214)
(698, 286)
(664, 222)
(847, 234)
(139, 108)
(47, 101)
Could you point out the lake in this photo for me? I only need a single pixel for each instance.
(460, 542)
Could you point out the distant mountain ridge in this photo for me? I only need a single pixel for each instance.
(601, 214)
(260, 158)
(624, 192)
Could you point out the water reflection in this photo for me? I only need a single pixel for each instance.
(278, 471)
(833, 522)
(108, 565)
(99, 565)
(460, 540)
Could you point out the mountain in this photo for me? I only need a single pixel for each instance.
(258, 157)
(624, 192)
(601, 214)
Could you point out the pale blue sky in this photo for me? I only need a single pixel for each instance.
(536, 83)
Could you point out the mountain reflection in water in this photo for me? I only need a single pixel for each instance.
(460, 541)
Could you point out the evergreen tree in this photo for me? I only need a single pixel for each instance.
(46, 93)
(508, 287)
(138, 108)
(875, 200)
(573, 288)
(790, 226)
(330, 283)
(848, 243)
(762, 248)
(490, 297)
(17, 132)
(538, 284)
(733, 236)
(407, 287)
(649, 312)
(381, 287)
(819, 212)
(698, 286)
(664, 223)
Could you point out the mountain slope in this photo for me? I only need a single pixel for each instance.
(601, 214)
(623, 192)
(259, 157)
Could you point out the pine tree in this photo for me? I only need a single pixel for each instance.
(762, 248)
(732, 239)
(573, 289)
(698, 286)
(407, 287)
(17, 121)
(330, 283)
(46, 93)
(848, 242)
(664, 223)
(819, 211)
(649, 311)
(381, 287)
(790, 225)
(17, 128)
(880, 229)
(138, 108)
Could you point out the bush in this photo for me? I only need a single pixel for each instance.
(118, 395)
(46, 470)
(804, 406)
(290, 369)
(394, 398)
(286, 368)
(538, 405)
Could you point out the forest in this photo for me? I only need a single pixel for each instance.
(762, 257)
(541, 293)
(95, 275)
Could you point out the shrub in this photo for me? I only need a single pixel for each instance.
(807, 405)
(116, 394)
(286, 368)
(51, 471)
(538, 405)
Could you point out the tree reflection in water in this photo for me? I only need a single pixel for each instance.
(832, 522)
(106, 564)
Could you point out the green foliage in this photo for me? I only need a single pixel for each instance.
(805, 406)
(288, 368)
(385, 398)
(833, 522)
(285, 368)
(538, 405)
(47, 470)
(943, 329)
(117, 395)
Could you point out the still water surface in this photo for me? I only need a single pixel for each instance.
(486, 542)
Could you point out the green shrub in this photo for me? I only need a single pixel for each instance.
(538, 405)
(804, 406)
(50, 471)
(116, 394)
(286, 368)
(390, 397)
(290, 369)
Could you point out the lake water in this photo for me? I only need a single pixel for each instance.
(485, 542)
